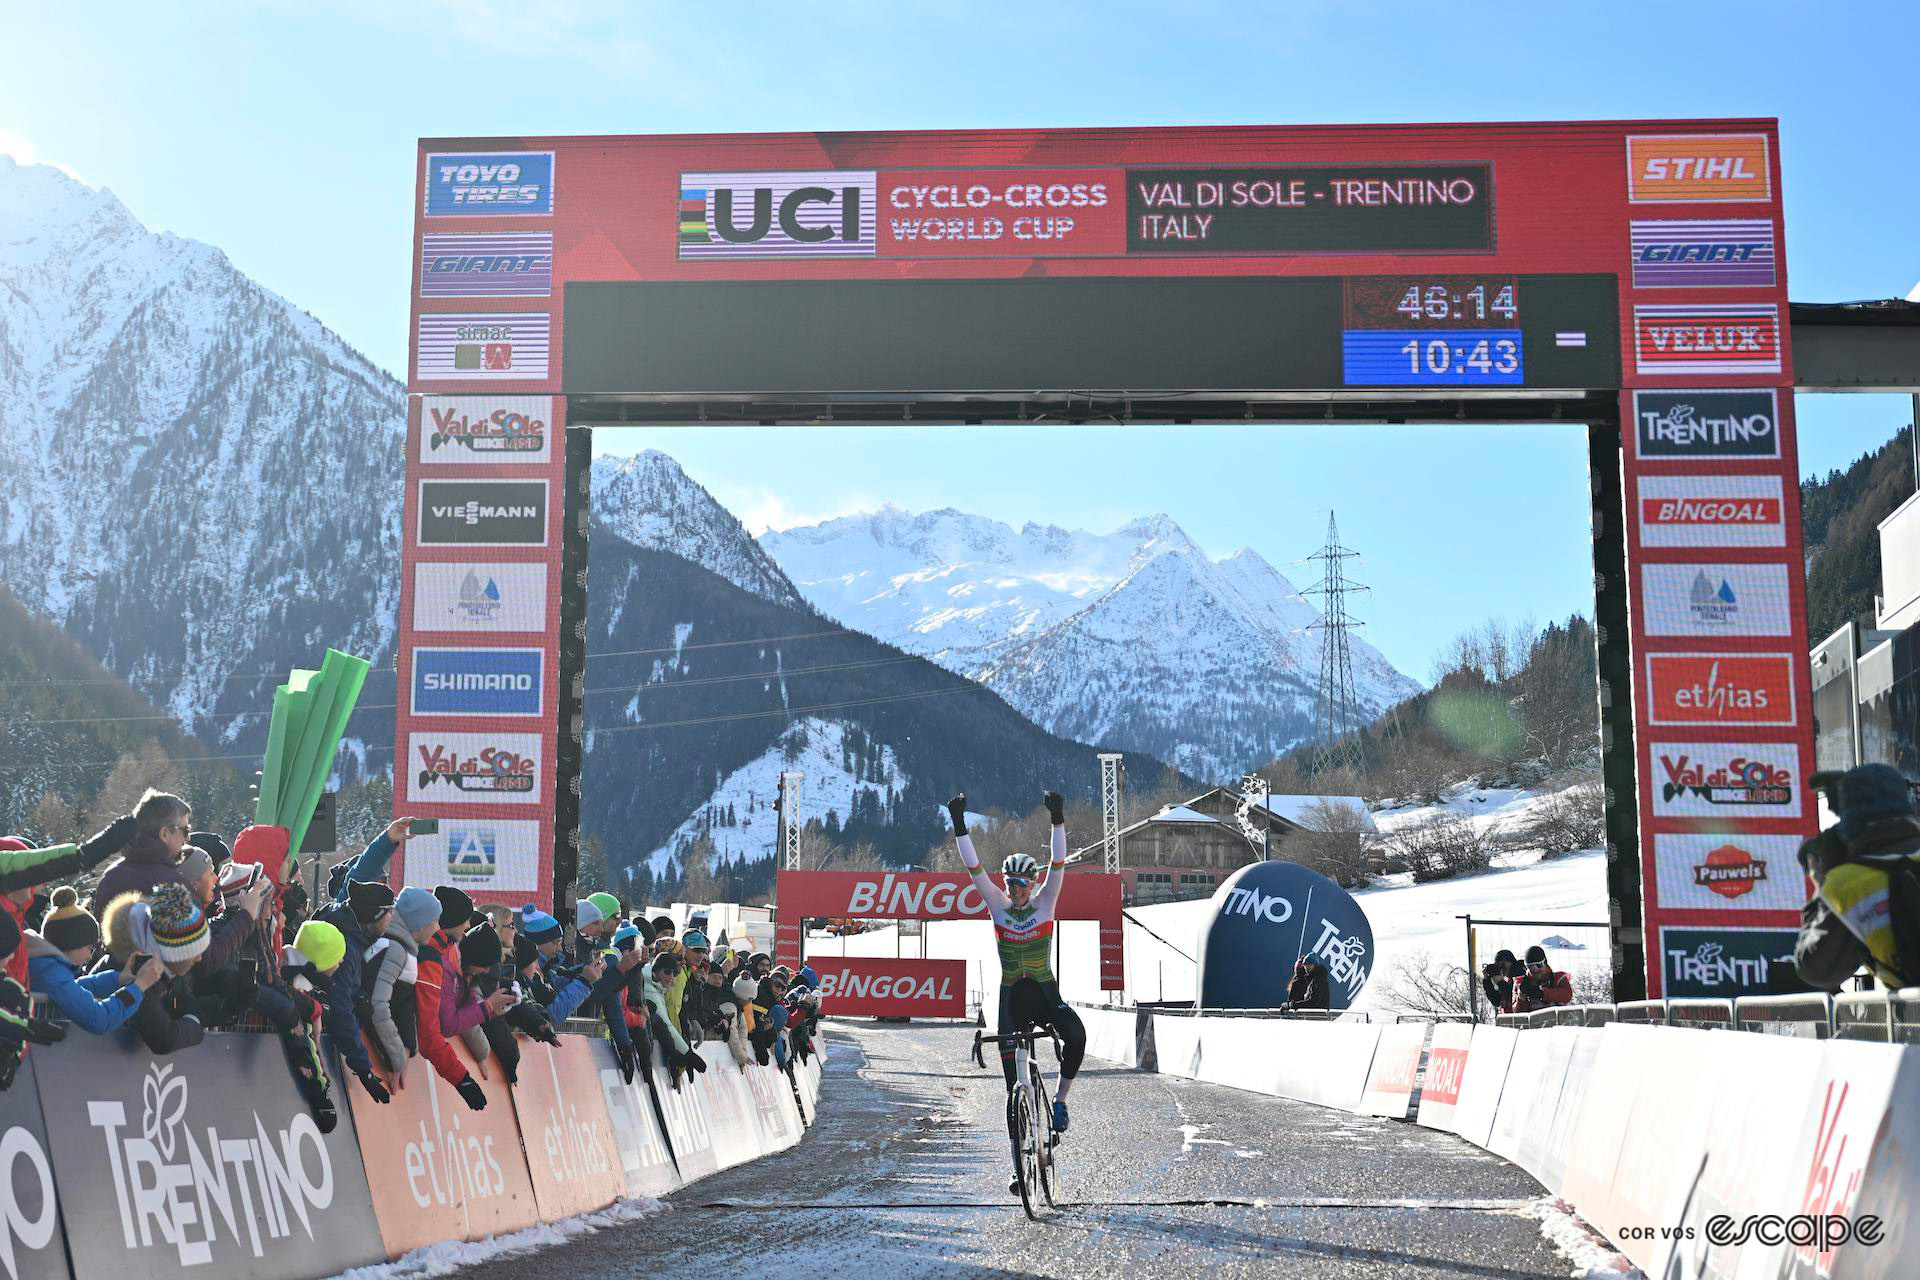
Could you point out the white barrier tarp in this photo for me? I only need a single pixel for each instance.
(637, 1134)
(1330, 1063)
(1566, 1113)
(1111, 1034)
(1177, 1042)
(1396, 1064)
(1535, 1069)
(1486, 1077)
(1242, 1053)
(1446, 1072)
(732, 1122)
(1663, 1144)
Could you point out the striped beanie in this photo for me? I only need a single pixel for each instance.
(178, 928)
(537, 926)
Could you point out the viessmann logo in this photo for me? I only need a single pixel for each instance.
(1707, 338)
(483, 513)
(1716, 168)
(810, 214)
(1720, 689)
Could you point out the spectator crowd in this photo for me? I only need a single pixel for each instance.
(183, 934)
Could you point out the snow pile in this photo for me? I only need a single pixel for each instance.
(455, 1255)
(1592, 1257)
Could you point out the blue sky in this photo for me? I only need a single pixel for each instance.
(285, 133)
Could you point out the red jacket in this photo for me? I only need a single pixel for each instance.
(1555, 988)
(434, 1045)
(17, 962)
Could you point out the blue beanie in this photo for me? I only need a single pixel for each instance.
(537, 926)
(1869, 793)
(417, 908)
(623, 933)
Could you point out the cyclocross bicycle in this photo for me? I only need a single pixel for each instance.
(1029, 1119)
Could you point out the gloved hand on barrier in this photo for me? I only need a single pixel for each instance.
(625, 1056)
(375, 1089)
(470, 1092)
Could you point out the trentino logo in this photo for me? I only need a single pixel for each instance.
(813, 214)
(1706, 424)
(1722, 962)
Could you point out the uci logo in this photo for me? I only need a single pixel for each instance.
(777, 215)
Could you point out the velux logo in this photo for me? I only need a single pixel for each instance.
(777, 215)
(183, 1186)
(1720, 689)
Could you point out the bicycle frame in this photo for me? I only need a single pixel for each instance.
(1029, 1117)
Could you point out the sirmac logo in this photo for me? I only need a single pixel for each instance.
(903, 899)
(1714, 689)
(473, 512)
(884, 986)
(446, 1166)
(182, 1187)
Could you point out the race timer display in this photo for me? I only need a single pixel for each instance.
(1432, 331)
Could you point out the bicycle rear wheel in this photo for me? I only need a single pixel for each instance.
(1047, 1141)
(1019, 1130)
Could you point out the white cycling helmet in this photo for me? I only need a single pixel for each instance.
(1020, 864)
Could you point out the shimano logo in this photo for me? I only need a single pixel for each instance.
(477, 681)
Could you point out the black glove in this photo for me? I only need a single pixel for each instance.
(1056, 808)
(469, 1090)
(116, 836)
(532, 1021)
(375, 1090)
(957, 810)
(624, 1055)
(44, 1030)
(693, 1061)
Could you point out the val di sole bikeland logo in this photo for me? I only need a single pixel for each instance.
(1706, 780)
(478, 429)
(494, 768)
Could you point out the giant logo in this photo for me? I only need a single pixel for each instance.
(477, 855)
(487, 266)
(489, 184)
(1726, 780)
(498, 768)
(1717, 871)
(1712, 168)
(483, 513)
(479, 597)
(1715, 600)
(475, 347)
(1706, 424)
(1267, 915)
(479, 682)
(1720, 689)
(1712, 511)
(471, 429)
(1704, 337)
(1722, 963)
(1685, 253)
(826, 214)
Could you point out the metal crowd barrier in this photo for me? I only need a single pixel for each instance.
(1889, 1017)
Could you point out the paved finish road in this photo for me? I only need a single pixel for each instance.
(906, 1174)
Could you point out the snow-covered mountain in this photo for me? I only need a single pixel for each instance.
(648, 500)
(1133, 639)
(198, 481)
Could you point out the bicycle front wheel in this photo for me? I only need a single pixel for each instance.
(1047, 1141)
(1025, 1161)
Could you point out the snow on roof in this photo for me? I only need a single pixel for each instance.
(1297, 809)
(1180, 813)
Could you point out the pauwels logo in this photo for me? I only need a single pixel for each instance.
(1706, 338)
(184, 1185)
(1714, 871)
(1720, 689)
(1729, 871)
(814, 214)
(1709, 168)
(1706, 424)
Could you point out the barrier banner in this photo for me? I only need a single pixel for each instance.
(1566, 1113)
(30, 1236)
(1446, 1070)
(1328, 1062)
(638, 1135)
(687, 1130)
(1177, 1042)
(204, 1162)
(439, 1171)
(1486, 1076)
(1396, 1065)
(565, 1129)
(1626, 1051)
(1663, 1142)
(1891, 1186)
(731, 1120)
(881, 987)
(773, 1103)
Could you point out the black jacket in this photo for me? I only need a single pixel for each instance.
(1308, 989)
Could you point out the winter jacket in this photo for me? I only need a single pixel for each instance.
(656, 999)
(92, 1002)
(567, 994)
(1827, 952)
(143, 867)
(460, 1006)
(17, 961)
(737, 1036)
(392, 969)
(1307, 989)
(371, 865)
(1543, 992)
(343, 989)
(169, 1018)
(428, 999)
(675, 993)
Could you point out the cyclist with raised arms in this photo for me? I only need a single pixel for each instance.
(1023, 929)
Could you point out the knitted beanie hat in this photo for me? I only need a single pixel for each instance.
(524, 952)
(537, 926)
(587, 913)
(322, 944)
(456, 908)
(416, 908)
(238, 877)
(216, 847)
(67, 927)
(481, 947)
(195, 864)
(608, 904)
(178, 927)
(367, 899)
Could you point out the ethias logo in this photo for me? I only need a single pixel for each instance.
(1713, 689)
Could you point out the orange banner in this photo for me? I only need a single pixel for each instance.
(569, 1137)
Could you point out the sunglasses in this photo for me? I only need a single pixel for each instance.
(1018, 882)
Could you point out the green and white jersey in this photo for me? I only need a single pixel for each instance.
(1023, 934)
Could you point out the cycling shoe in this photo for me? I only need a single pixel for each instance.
(1059, 1117)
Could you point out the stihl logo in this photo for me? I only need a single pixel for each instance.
(1720, 689)
(1699, 169)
